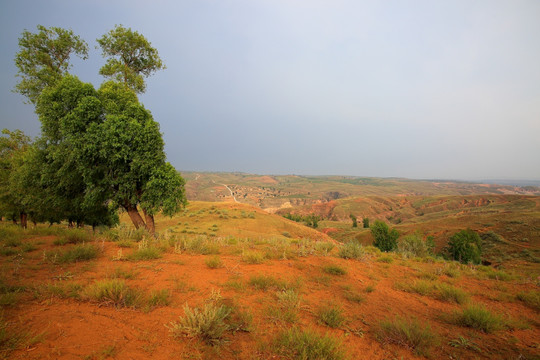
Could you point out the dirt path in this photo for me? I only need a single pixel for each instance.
(228, 188)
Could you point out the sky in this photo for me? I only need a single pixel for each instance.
(416, 89)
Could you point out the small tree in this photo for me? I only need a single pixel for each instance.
(465, 246)
(413, 245)
(384, 238)
(365, 222)
(354, 220)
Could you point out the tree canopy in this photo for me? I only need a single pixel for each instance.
(131, 57)
(44, 58)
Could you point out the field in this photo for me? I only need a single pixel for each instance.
(228, 280)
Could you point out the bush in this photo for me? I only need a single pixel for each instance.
(413, 246)
(148, 253)
(207, 323)
(478, 317)
(365, 223)
(466, 247)
(214, 262)
(351, 250)
(307, 344)
(113, 292)
(334, 270)
(450, 293)
(331, 315)
(408, 333)
(531, 299)
(384, 238)
(253, 257)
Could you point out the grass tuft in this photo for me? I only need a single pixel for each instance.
(307, 344)
(214, 262)
(531, 299)
(408, 333)
(331, 315)
(207, 323)
(334, 270)
(479, 318)
(351, 250)
(114, 293)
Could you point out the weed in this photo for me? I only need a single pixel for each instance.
(263, 282)
(214, 262)
(122, 273)
(479, 318)
(462, 342)
(125, 243)
(73, 236)
(82, 252)
(207, 323)
(369, 289)
(386, 259)
(408, 333)
(351, 250)
(113, 292)
(352, 295)
(531, 299)
(158, 298)
(146, 253)
(253, 257)
(334, 270)
(307, 344)
(331, 315)
(450, 293)
(324, 247)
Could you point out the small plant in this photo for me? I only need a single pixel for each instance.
(531, 299)
(479, 318)
(145, 252)
(462, 342)
(113, 293)
(288, 298)
(262, 282)
(207, 323)
(158, 298)
(352, 295)
(386, 259)
(77, 253)
(307, 344)
(369, 289)
(331, 315)
(351, 250)
(75, 236)
(122, 273)
(253, 257)
(450, 293)
(334, 270)
(214, 262)
(408, 333)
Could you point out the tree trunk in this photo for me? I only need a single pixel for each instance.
(150, 224)
(135, 216)
(24, 220)
(14, 220)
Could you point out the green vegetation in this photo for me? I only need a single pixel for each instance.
(414, 246)
(465, 247)
(207, 323)
(351, 250)
(409, 333)
(113, 293)
(307, 344)
(77, 253)
(479, 318)
(384, 238)
(530, 298)
(214, 262)
(334, 270)
(331, 315)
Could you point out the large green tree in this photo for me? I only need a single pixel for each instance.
(44, 58)
(131, 57)
(384, 238)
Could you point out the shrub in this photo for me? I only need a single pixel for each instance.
(331, 315)
(307, 344)
(478, 317)
(158, 298)
(365, 223)
(76, 253)
(413, 246)
(465, 246)
(253, 257)
(408, 333)
(113, 292)
(531, 299)
(262, 282)
(146, 253)
(384, 238)
(214, 262)
(386, 259)
(450, 293)
(351, 250)
(75, 236)
(207, 323)
(334, 270)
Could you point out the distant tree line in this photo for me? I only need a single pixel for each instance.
(99, 149)
(310, 220)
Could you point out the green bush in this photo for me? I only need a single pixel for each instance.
(334, 270)
(114, 293)
(414, 246)
(478, 317)
(466, 247)
(207, 323)
(307, 344)
(331, 315)
(351, 250)
(384, 238)
(408, 333)
(214, 262)
(450, 293)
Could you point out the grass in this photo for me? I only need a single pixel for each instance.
(214, 262)
(113, 293)
(123, 273)
(158, 298)
(146, 253)
(450, 293)
(351, 250)
(531, 299)
(207, 323)
(263, 282)
(352, 295)
(83, 252)
(288, 302)
(307, 344)
(386, 259)
(253, 257)
(73, 236)
(331, 315)
(479, 318)
(334, 270)
(61, 290)
(409, 333)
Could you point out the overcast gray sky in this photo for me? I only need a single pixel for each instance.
(417, 89)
